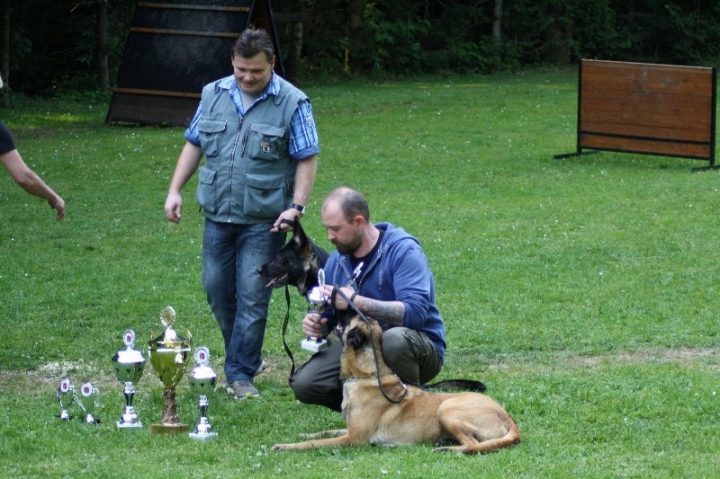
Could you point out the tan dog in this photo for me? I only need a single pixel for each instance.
(474, 420)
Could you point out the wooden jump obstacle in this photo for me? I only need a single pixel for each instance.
(663, 110)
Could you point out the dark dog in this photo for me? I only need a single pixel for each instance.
(379, 409)
(296, 264)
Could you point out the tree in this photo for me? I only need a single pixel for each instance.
(497, 22)
(356, 9)
(102, 45)
(5, 40)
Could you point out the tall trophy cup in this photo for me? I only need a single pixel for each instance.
(65, 396)
(202, 382)
(316, 300)
(169, 355)
(89, 400)
(129, 364)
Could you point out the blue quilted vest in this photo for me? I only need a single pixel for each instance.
(248, 176)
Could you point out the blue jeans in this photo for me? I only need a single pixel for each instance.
(236, 292)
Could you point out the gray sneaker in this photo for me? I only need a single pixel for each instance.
(244, 389)
(229, 389)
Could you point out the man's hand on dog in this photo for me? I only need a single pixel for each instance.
(314, 326)
(281, 226)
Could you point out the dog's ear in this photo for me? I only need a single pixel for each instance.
(297, 228)
(299, 234)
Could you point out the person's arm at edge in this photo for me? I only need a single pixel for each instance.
(29, 181)
(186, 166)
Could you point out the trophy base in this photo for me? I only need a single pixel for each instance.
(168, 429)
(125, 425)
(202, 435)
(314, 345)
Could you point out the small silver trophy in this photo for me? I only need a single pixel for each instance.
(65, 396)
(317, 299)
(129, 366)
(202, 382)
(89, 401)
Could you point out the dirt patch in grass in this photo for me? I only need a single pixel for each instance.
(102, 376)
(557, 361)
(651, 355)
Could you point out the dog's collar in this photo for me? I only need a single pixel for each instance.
(354, 380)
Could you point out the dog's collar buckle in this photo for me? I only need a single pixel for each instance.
(404, 390)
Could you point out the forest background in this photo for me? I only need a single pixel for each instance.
(72, 45)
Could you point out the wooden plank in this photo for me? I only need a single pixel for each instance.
(630, 116)
(646, 71)
(174, 6)
(186, 33)
(645, 147)
(140, 91)
(158, 110)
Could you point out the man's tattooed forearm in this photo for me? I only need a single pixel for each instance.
(391, 312)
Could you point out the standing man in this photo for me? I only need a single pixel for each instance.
(382, 269)
(259, 139)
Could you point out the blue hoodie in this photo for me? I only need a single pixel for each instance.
(398, 272)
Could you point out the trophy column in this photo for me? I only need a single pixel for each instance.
(169, 355)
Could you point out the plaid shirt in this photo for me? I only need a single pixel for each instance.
(303, 134)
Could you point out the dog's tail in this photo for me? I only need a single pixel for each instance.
(457, 385)
(510, 439)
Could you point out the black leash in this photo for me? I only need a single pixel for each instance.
(374, 349)
(284, 330)
(287, 316)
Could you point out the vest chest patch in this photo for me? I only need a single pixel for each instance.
(266, 146)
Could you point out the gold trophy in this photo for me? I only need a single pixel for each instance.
(169, 355)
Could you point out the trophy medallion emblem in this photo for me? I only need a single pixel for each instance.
(202, 382)
(169, 355)
(129, 364)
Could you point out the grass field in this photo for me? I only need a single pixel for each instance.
(582, 292)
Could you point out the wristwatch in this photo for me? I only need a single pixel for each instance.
(298, 207)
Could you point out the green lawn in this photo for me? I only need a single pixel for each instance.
(582, 292)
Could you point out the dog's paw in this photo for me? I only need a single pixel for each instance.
(279, 447)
